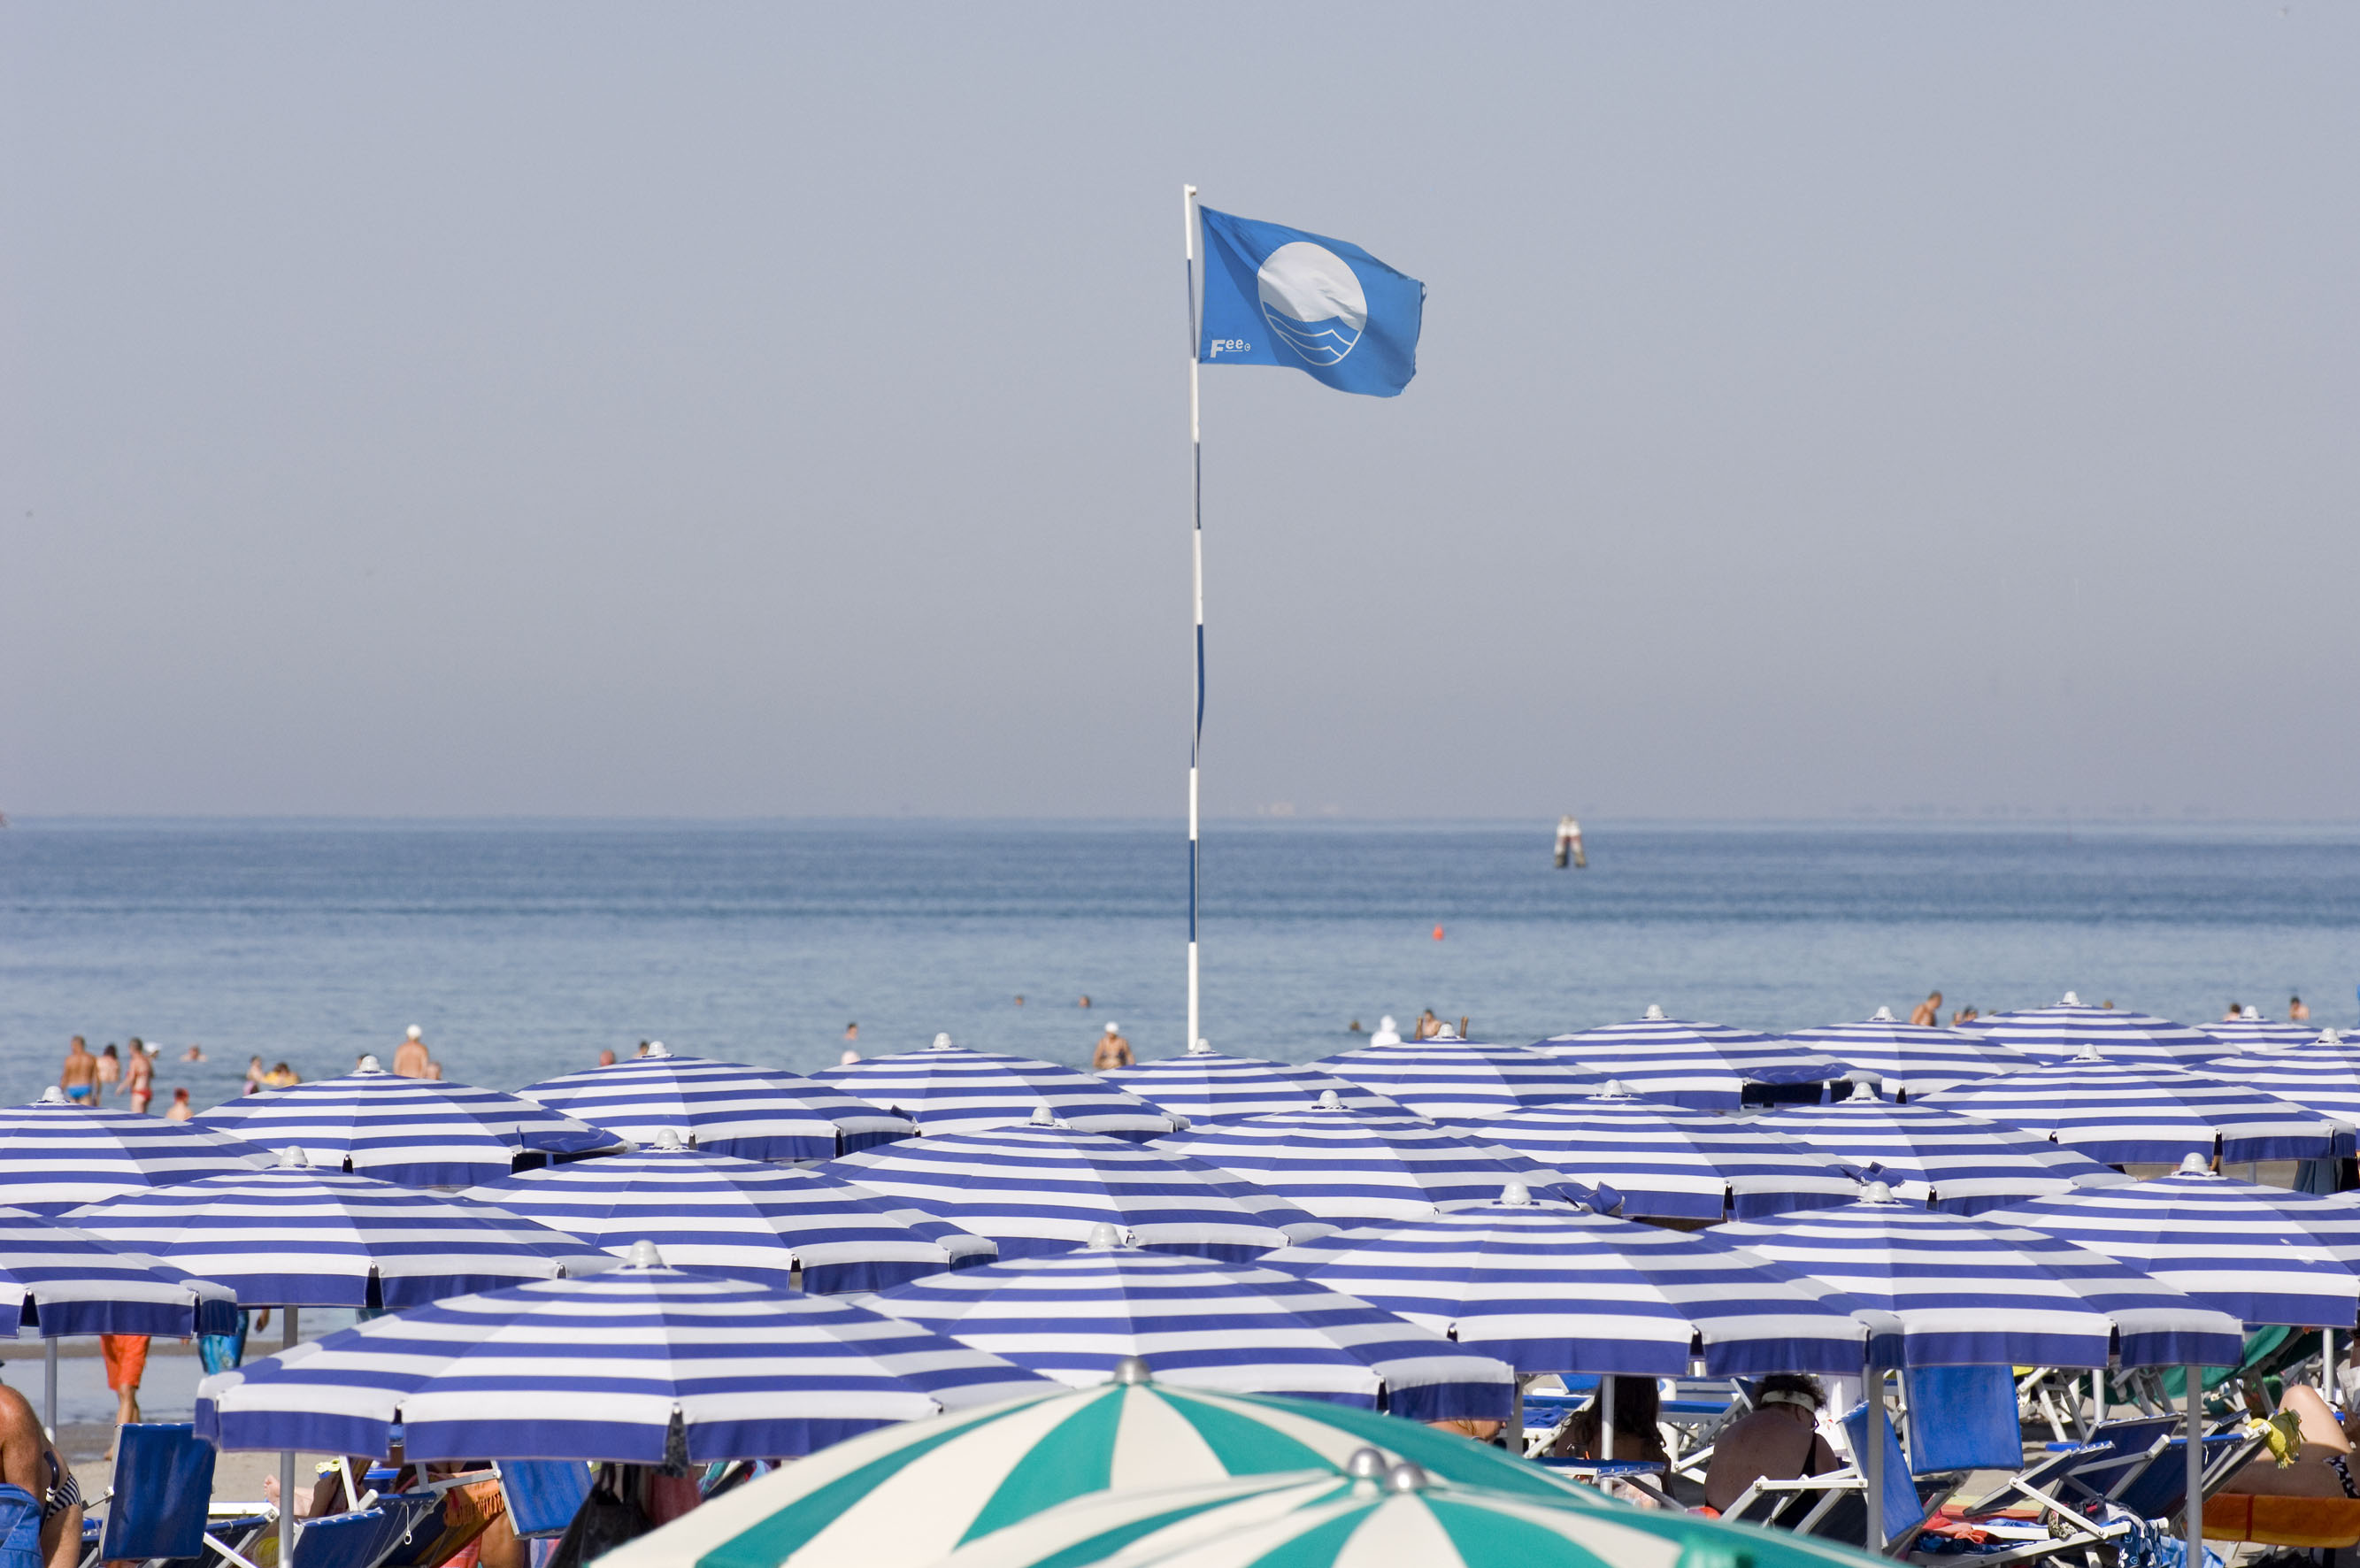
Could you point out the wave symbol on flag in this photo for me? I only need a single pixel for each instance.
(1313, 301)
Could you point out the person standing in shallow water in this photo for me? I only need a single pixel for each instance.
(1113, 1051)
(79, 1076)
(1927, 1014)
(110, 1070)
(2296, 1011)
(139, 1078)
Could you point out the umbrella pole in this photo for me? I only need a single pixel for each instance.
(1606, 1417)
(1871, 1464)
(287, 1465)
(49, 1389)
(2194, 1510)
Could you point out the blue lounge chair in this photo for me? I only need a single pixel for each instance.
(160, 1507)
(543, 1494)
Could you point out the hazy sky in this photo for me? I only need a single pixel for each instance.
(756, 411)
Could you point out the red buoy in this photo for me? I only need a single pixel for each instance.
(1437, 934)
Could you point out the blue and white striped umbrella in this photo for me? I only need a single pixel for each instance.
(1666, 1163)
(948, 1088)
(1206, 1085)
(2123, 1114)
(1356, 1165)
(2260, 1034)
(1240, 1330)
(719, 1214)
(1983, 1291)
(2321, 1075)
(295, 1237)
(1911, 1059)
(59, 1280)
(1041, 1188)
(420, 1132)
(723, 1107)
(1927, 1154)
(1552, 1288)
(1462, 1080)
(2060, 1032)
(642, 1365)
(1705, 1067)
(55, 1155)
(2262, 1255)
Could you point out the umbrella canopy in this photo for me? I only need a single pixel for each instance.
(1239, 1329)
(2259, 1033)
(56, 1155)
(643, 1365)
(738, 1217)
(417, 1131)
(295, 1237)
(1928, 1155)
(1912, 1059)
(1356, 1165)
(1705, 1067)
(1552, 1288)
(2321, 1075)
(724, 1108)
(2262, 1255)
(948, 1088)
(1042, 1188)
(2058, 1033)
(1976, 1292)
(1202, 1085)
(1666, 1163)
(907, 1496)
(2121, 1114)
(59, 1280)
(1451, 1078)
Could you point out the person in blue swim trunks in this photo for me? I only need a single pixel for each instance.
(79, 1076)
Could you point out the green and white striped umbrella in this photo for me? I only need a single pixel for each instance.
(913, 1494)
(1375, 1517)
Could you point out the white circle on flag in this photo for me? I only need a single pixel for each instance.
(1312, 300)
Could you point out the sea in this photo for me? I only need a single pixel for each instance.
(523, 948)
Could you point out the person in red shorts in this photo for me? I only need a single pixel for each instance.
(127, 1363)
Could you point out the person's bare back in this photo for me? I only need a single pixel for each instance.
(79, 1076)
(411, 1059)
(1778, 1441)
(1927, 1014)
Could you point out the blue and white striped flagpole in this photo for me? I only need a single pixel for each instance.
(1197, 555)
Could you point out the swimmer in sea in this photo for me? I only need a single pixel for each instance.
(79, 1076)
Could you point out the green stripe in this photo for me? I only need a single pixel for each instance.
(774, 1537)
(1495, 1535)
(1075, 1456)
(1099, 1547)
(1244, 1444)
(1319, 1546)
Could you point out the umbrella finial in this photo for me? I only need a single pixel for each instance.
(942, 1042)
(1517, 1195)
(1881, 1016)
(1104, 1237)
(655, 1048)
(1328, 1102)
(53, 1096)
(2072, 1000)
(2088, 1053)
(1044, 1116)
(2194, 1164)
(1202, 1048)
(643, 1255)
(1863, 1090)
(293, 1158)
(1130, 1371)
(369, 1064)
(670, 1141)
(1616, 1090)
(1366, 1464)
(1878, 1192)
(1655, 1014)
(1405, 1477)
(2326, 1036)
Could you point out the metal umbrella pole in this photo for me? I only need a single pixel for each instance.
(2194, 1514)
(287, 1462)
(49, 1389)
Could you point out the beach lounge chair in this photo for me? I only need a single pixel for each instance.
(160, 1507)
(543, 1494)
(1834, 1506)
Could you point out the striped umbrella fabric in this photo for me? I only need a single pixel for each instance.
(59, 1280)
(948, 1088)
(2262, 1255)
(907, 1496)
(1927, 1154)
(645, 1364)
(1239, 1330)
(716, 1213)
(420, 1132)
(1704, 1067)
(1912, 1060)
(295, 1237)
(2259, 1034)
(724, 1108)
(1356, 1165)
(2061, 1032)
(1666, 1163)
(1207, 1085)
(1552, 1288)
(1983, 1291)
(1462, 1080)
(1043, 1189)
(2123, 1114)
(55, 1155)
(2321, 1075)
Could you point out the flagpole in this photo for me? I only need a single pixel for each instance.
(1196, 569)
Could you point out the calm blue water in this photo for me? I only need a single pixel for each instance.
(522, 949)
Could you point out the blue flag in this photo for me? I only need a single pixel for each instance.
(1278, 296)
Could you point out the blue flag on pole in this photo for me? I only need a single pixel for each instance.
(1279, 296)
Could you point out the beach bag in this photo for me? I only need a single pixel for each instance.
(604, 1521)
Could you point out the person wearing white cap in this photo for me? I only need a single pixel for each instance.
(1113, 1050)
(411, 1059)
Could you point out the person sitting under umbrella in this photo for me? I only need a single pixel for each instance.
(1637, 1409)
(2308, 1454)
(28, 1461)
(1779, 1442)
